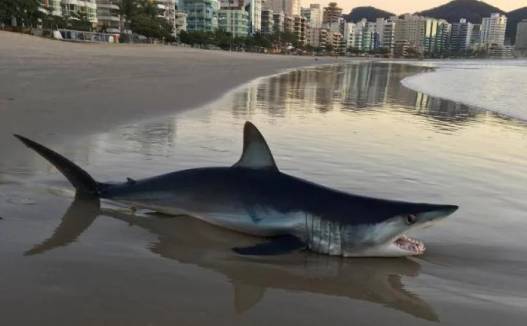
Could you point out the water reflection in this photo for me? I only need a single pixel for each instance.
(352, 87)
(190, 241)
(354, 128)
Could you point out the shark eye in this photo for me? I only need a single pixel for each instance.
(411, 219)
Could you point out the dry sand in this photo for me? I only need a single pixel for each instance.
(56, 88)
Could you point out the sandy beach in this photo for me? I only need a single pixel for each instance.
(136, 111)
(56, 88)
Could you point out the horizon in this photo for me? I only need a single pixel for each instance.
(410, 6)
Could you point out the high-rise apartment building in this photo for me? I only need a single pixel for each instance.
(461, 34)
(108, 16)
(301, 29)
(233, 17)
(313, 14)
(234, 21)
(387, 37)
(267, 21)
(521, 36)
(254, 8)
(166, 9)
(493, 30)
(74, 7)
(278, 21)
(410, 31)
(348, 37)
(202, 15)
(53, 7)
(181, 21)
(288, 7)
(475, 37)
(332, 14)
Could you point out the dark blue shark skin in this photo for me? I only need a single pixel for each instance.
(254, 197)
(267, 189)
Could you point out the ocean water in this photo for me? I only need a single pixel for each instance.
(495, 85)
(352, 127)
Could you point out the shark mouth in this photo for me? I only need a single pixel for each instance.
(405, 243)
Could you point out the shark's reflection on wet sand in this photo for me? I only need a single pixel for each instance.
(190, 241)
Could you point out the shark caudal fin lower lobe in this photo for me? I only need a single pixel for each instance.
(84, 184)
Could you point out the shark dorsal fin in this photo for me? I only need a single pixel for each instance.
(256, 154)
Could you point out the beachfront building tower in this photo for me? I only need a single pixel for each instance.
(475, 36)
(387, 36)
(301, 30)
(306, 13)
(181, 21)
(166, 9)
(278, 21)
(108, 17)
(254, 9)
(313, 15)
(460, 37)
(521, 35)
(234, 21)
(53, 7)
(267, 21)
(348, 37)
(202, 15)
(72, 8)
(288, 7)
(410, 33)
(332, 14)
(493, 30)
(431, 26)
(436, 37)
(233, 18)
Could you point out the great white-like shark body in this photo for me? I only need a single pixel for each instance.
(255, 198)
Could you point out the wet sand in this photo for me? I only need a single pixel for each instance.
(355, 128)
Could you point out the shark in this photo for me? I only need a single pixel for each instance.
(254, 197)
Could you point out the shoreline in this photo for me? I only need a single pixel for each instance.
(445, 82)
(55, 89)
(140, 269)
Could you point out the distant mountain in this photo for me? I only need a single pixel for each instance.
(370, 13)
(472, 10)
(514, 17)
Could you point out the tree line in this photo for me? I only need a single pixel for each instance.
(226, 41)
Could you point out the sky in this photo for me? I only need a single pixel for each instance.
(405, 6)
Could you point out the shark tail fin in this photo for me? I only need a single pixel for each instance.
(84, 184)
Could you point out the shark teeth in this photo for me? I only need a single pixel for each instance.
(409, 244)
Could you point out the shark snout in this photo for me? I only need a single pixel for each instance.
(435, 212)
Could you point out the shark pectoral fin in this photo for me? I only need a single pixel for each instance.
(256, 153)
(277, 246)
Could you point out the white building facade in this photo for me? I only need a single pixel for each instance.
(493, 30)
(288, 7)
(254, 8)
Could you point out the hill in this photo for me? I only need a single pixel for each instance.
(453, 11)
(370, 13)
(514, 17)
